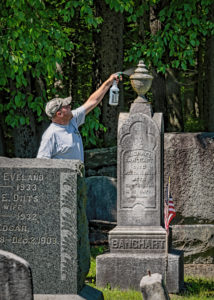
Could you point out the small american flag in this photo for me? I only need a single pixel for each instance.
(169, 209)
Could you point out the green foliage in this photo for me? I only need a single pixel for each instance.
(91, 127)
(121, 5)
(96, 250)
(84, 8)
(31, 44)
(200, 287)
(117, 294)
(193, 124)
(183, 25)
(35, 35)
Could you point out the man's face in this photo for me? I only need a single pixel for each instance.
(66, 108)
(64, 113)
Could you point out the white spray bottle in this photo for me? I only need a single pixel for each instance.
(114, 94)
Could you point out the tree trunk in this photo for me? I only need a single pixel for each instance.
(158, 92)
(158, 84)
(200, 85)
(111, 60)
(25, 137)
(2, 153)
(209, 82)
(2, 141)
(74, 79)
(174, 106)
(189, 96)
(166, 91)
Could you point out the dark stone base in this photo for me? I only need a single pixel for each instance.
(87, 293)
(125, 271)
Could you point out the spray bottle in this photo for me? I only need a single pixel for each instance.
(114, 94)
(114, 91)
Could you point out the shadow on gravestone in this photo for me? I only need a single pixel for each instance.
(15, 277)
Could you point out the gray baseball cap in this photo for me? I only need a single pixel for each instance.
(55, 104)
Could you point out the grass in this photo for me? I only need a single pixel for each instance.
(195, 288)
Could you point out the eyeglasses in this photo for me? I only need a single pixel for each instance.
(65, 106)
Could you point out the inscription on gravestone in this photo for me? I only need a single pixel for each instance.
(38, 216)
(137, 243)
(20, 195)
(138, 179)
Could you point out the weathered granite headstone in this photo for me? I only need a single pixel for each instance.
(43, 220)
(101, 198)
(15, 277)
(138, 242)
(153, 287)
(189, 162)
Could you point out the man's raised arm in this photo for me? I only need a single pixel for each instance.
(98, 95)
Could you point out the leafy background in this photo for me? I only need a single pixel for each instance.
(59, 48)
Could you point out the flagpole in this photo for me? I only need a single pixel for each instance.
(167, 236)
(169, 214)
(166, 255)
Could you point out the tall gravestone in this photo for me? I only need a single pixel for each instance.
(138, 242)
(43, 220)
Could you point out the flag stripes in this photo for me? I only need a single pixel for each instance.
(169, 209)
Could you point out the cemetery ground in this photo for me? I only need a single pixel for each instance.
(196, 288)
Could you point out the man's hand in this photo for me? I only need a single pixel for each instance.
(98, 95)
(115, 76)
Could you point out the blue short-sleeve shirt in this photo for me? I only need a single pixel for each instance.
(64, 141)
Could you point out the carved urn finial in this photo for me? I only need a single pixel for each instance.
(141, 81)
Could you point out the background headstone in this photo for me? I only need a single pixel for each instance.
(101, 195)
(189, 162)
(198, 241)
(15, 277)
(43, 220)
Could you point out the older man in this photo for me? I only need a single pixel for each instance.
(62, 139)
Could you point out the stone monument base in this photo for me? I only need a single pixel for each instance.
(87, 293)
(125, 271)
(138, 239)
